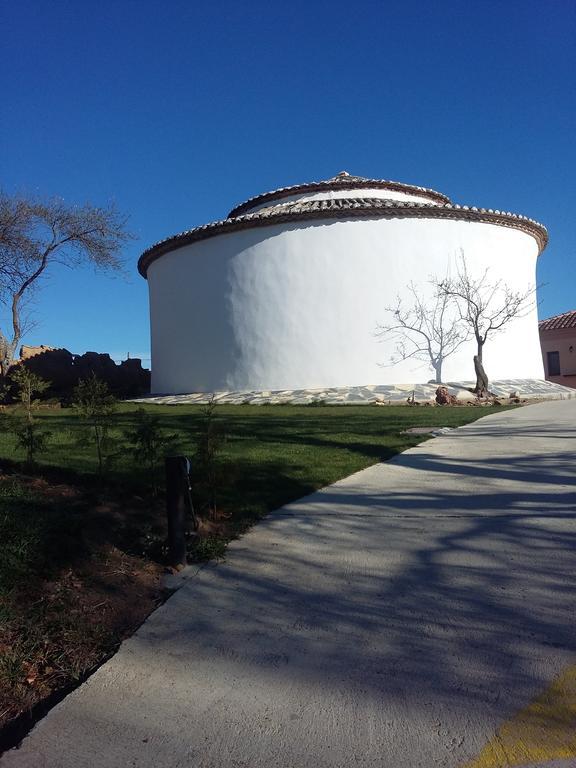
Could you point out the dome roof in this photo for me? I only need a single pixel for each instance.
(342, 180)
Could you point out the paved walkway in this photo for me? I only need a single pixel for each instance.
(419, 613)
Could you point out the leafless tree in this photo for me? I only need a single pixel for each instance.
(430, 332)
(486, 308)
(36, 234)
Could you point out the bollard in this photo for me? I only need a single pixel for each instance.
(177, 504)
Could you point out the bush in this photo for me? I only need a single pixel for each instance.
(30, 436)
(148, 443)
(207, 466)
(95, 404)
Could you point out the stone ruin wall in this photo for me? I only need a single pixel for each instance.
(64, 370)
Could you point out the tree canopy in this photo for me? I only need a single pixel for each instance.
(424, 329)
(487, 307)
(35, 234)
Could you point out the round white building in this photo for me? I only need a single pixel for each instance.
(289, 290)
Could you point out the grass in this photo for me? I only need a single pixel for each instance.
(35, 536)
(272, 454)
(76, 554)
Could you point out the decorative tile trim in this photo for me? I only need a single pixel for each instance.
(341, 181)
(354, 208)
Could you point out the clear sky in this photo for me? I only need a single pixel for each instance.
(177, 111)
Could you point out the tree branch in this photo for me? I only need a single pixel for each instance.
(34, 235)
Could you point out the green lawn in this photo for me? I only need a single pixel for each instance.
(271, 455)
(79, 555)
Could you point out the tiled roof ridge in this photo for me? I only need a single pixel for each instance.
(342, 180)
(343, 208)
(557, 322)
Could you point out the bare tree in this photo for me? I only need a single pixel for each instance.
(36, 234)
(428, 332)
(486, 308)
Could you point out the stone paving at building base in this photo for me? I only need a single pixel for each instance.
(525, 389)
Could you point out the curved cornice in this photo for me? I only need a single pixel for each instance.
(354, 208)
(341, 181)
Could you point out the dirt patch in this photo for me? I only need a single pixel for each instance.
(58, 626)
(55, 637)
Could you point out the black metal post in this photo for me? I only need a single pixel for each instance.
(176, 508)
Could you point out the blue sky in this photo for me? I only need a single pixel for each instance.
(177, 111)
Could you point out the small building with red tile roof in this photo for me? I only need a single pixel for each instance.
(558, 342)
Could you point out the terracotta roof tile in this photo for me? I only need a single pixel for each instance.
(565, 320)
(342, 180)
(346, 209)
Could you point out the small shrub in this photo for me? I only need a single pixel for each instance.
(4, 390)
(28, 385)
(29, 435)
(208, 548)
(95, 404)
(207, 466)
(32, 438)
(148, 443)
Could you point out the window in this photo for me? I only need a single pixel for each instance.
(553, 363)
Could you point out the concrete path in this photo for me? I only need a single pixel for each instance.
(419, 613)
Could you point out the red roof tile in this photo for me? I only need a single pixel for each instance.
(342, 180)
(345, 209)
(565, 320)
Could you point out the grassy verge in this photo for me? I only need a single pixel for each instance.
(80, 557)
(271, 455)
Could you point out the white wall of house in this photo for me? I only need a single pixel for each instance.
(293, 306)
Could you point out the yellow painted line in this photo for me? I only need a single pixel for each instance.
(543, 731)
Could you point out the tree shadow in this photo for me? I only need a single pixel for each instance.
(430, 597)
(419, 601)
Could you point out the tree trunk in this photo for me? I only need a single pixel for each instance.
(99, 448)
(7, 351)
(481, 388)
(4, 359)
(438, 370)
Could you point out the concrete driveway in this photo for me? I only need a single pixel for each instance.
(419, 613)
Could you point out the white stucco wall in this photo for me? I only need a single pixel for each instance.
(341, 194)
(563, 341)
(297, 306)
